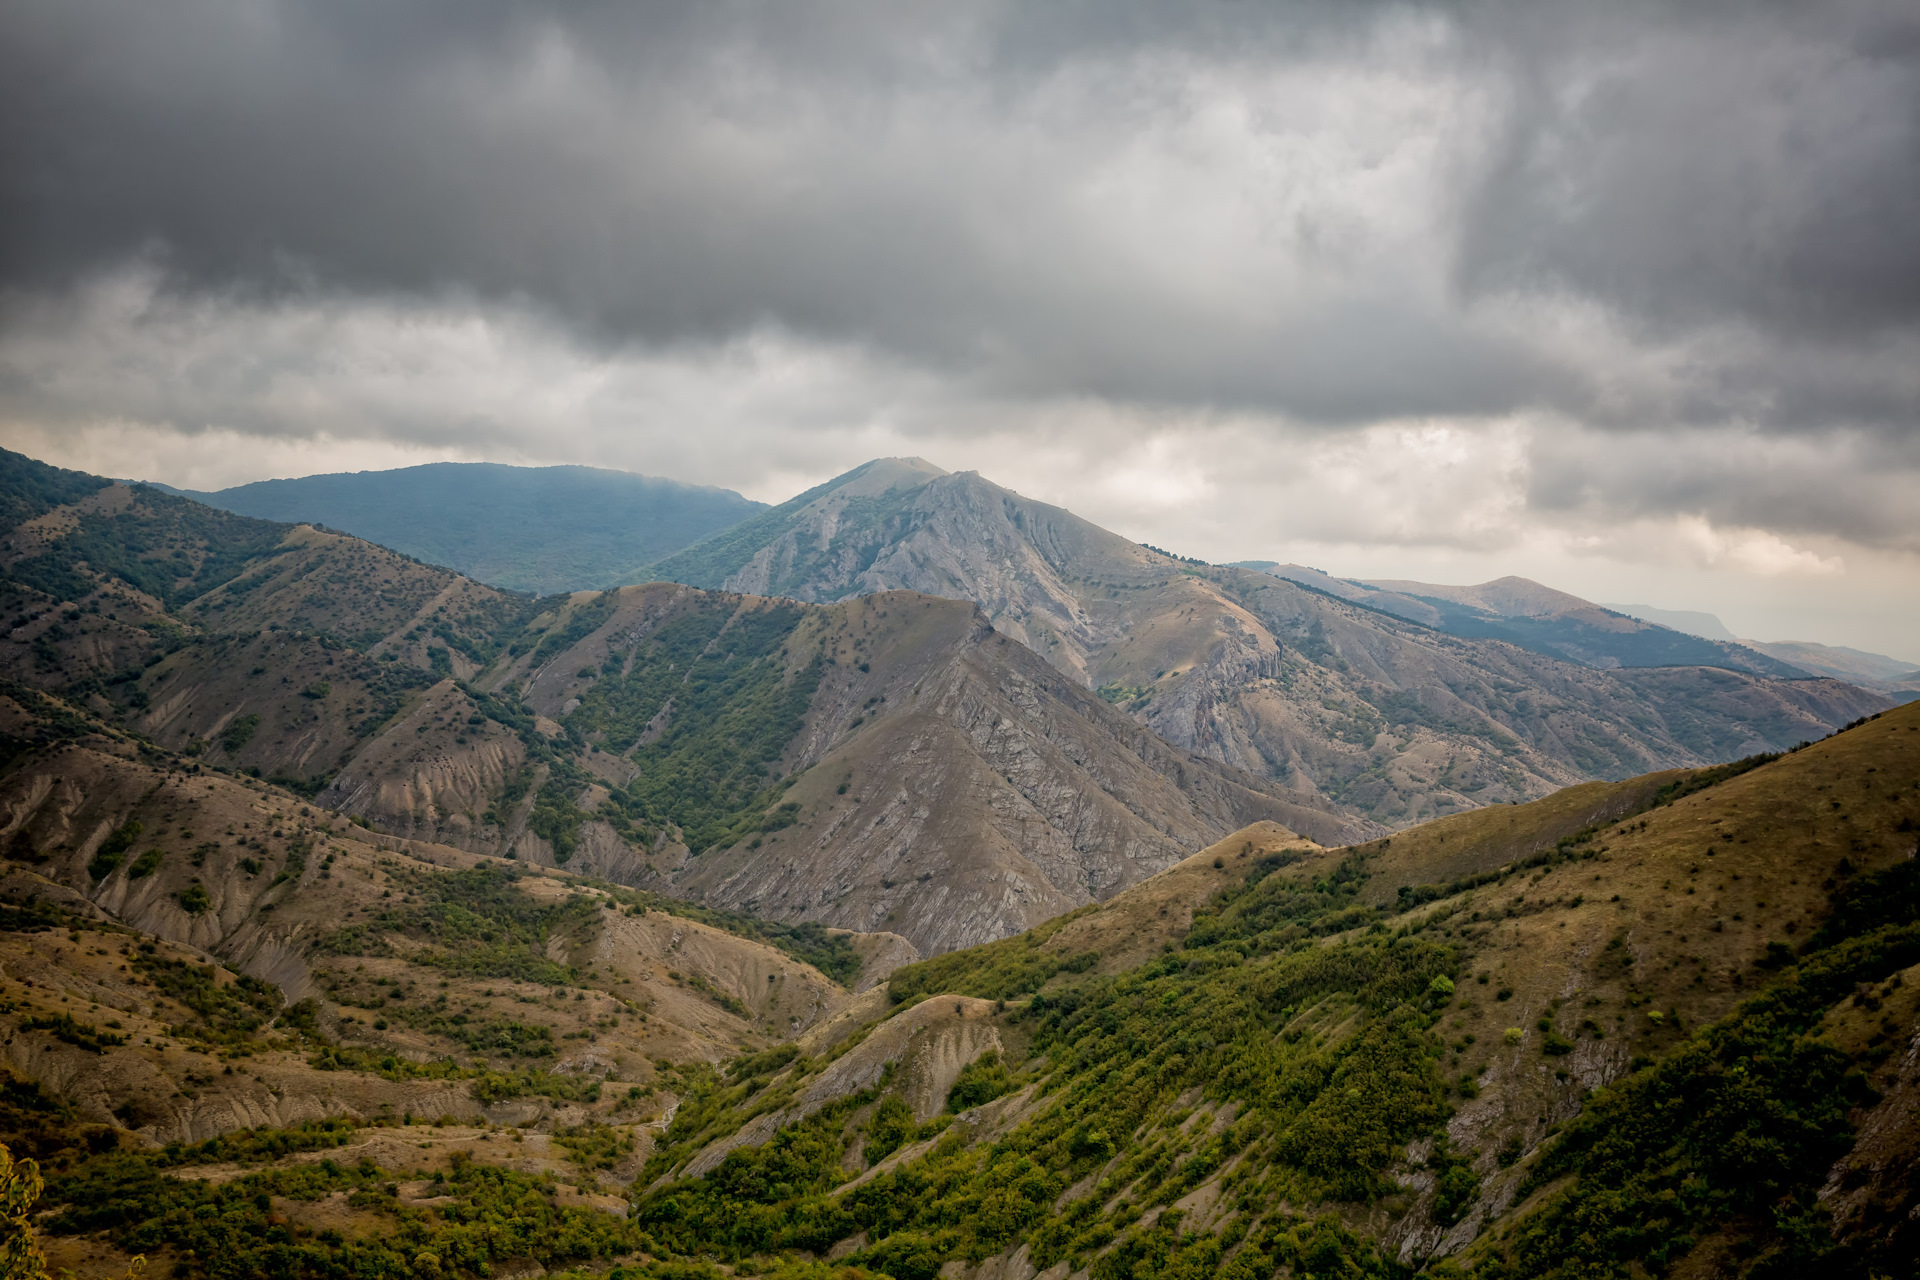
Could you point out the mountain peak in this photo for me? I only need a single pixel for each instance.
(882, 475)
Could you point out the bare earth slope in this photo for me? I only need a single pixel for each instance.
(943, 782)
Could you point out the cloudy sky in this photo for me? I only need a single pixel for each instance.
(1625, 297)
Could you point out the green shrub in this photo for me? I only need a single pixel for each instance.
(113, 849)
(980, 1081)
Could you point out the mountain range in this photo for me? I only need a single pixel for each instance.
(361, 918)
(1894, 677)
(1535, 617)
(655, 735)
(1394, 714)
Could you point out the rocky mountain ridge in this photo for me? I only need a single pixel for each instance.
(1389, 716)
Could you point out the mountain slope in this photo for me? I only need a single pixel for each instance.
(201, 974)
(1389, 717)
(1894, 677)
(936, 780)
(542, 529)
(1695, 999)
(890, 763)
(1692, 621)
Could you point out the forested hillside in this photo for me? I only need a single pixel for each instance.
(1665, 1031)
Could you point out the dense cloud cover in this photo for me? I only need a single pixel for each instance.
(1625, 278)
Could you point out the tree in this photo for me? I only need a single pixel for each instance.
(20, 1256)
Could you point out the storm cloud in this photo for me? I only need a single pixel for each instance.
(1640, 262)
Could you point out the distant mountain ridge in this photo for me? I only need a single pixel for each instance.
(1320, 687)
(540, 529)
(1523, 612)
(1897, 678)
(1692, 621)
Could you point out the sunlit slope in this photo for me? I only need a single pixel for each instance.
(1308, 1044)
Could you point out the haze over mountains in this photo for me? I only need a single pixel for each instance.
(1539, 618)
(1896, 678)
(541, 529)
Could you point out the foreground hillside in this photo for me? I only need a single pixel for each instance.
(1395, 718)
(1661, 1025)
(211, 971)
(889, 764)
(1657, 1026)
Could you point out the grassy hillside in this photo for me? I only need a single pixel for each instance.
(1635, 1031)
(541, 529)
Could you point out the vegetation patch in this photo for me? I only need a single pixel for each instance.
(225, 1013)
(736, 702)
(234, 1229)
(475, 922)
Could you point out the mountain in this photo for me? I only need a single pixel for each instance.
(243, 1036)
(1693, 622)
(1391, 717)
(1893, 677)
(541, 529)
(1523, 612)
(890, 763)
(205, 974)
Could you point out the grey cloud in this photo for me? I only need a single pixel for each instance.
(1712, 161)
(1857, 486)
(1332, 214)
